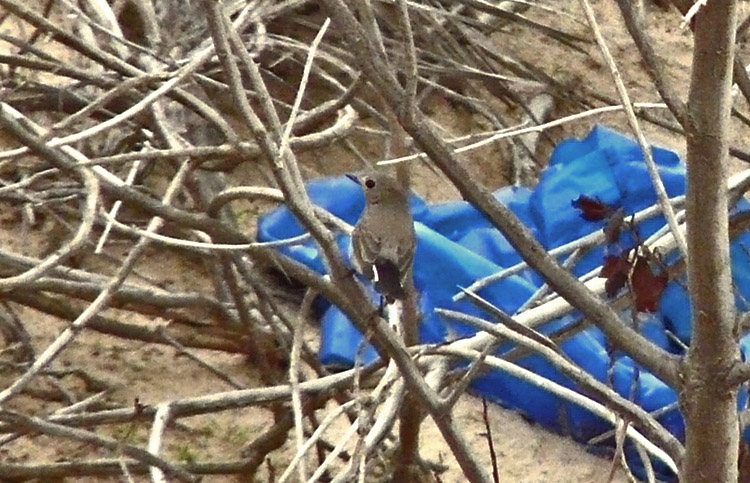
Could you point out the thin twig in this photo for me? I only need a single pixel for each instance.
(653, 172)
(284, 143)
(294, 378)
(513, 132)
(161, 420)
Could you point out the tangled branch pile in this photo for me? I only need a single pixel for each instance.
(129, 125)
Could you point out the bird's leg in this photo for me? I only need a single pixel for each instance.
(381, 307)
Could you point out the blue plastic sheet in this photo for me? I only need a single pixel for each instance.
(457, 245)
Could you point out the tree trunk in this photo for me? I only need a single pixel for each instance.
(707, 399)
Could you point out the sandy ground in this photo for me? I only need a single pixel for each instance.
(129, 370)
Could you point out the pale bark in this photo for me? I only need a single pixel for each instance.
(708, 398)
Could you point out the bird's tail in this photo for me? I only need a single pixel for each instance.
(388, 280)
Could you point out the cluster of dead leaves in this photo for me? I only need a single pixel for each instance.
(635, 266)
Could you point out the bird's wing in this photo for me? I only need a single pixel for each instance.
(405, 256)
(406, 259)
(365, 249)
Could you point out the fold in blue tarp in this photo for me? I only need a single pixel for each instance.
(457, 246)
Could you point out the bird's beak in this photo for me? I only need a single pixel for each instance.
(353, 177)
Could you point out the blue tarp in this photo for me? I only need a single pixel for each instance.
(457, 246)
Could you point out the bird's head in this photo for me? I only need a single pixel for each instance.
(379, 188)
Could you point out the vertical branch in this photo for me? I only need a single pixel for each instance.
(667, 92)
(161, 421)
(294, 376)
(708, 399)
(286, 136)
(412, 77)
(370, 24)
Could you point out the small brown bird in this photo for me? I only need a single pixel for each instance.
(384, 241)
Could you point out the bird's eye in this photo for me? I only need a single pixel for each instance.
(370, 183)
